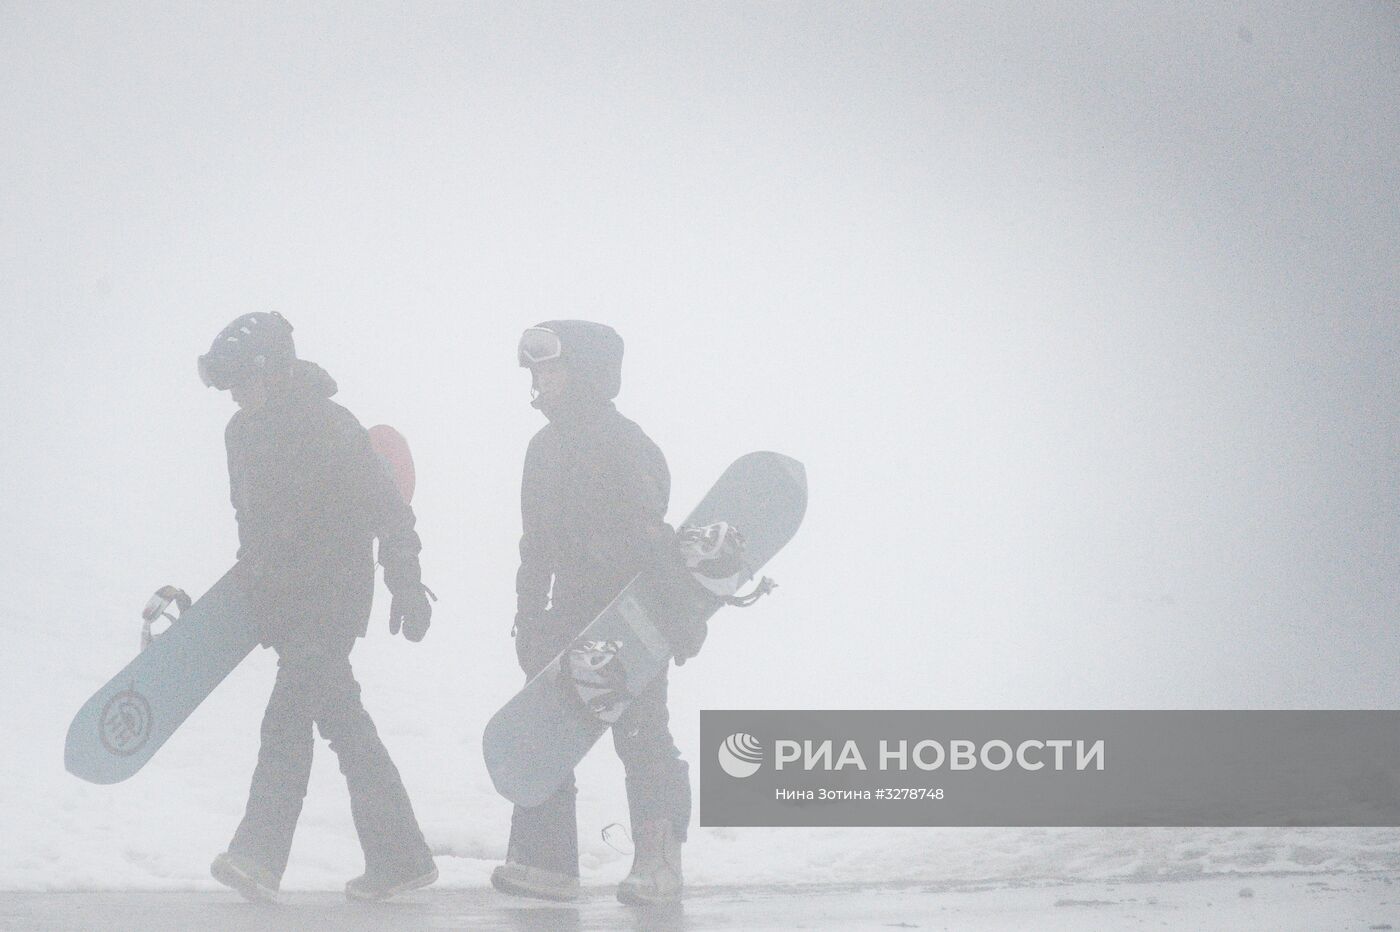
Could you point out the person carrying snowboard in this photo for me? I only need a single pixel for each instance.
(310, 497)
(593, 505)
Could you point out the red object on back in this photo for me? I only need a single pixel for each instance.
(393, 450)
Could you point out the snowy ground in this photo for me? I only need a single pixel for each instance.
(159, 830)
(136, 854)
(1354, 901)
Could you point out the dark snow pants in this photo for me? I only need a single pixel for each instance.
(658, 787)
(316, 685)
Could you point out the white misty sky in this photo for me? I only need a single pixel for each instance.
(1083, 318)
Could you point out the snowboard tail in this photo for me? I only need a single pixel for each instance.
(126, 721)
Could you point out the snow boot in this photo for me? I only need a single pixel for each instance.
(656, 878)
(522, 880)
(380, 885)
(253, 881)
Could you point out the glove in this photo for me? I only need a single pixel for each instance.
(412, 611)
(409, 607)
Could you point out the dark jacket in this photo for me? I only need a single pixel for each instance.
(310, 496)
(593, 505)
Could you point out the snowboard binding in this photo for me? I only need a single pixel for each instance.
(156, 608)
(594, 677)
(714, 554)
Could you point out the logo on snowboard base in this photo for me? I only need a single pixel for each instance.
(125, 723)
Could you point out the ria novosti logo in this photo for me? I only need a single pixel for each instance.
(740, 755)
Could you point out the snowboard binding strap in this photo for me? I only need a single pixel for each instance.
(714, 554)
(764, 586)
(156, 608)
(594, 678)
(615, 831)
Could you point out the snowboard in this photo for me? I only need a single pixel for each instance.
(125, 722)
(537, 738)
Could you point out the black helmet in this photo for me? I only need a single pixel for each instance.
(260, 342)
(592, 353)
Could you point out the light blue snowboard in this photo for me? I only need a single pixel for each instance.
(537, 738)
(126, 721)
(120, 728)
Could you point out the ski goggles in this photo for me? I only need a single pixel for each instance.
(539, 345)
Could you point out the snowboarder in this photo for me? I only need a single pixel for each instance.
(593, 505)
(309, 497)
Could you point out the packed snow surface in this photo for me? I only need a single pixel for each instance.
(160, 829)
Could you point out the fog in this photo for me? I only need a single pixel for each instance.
(1083, 319)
